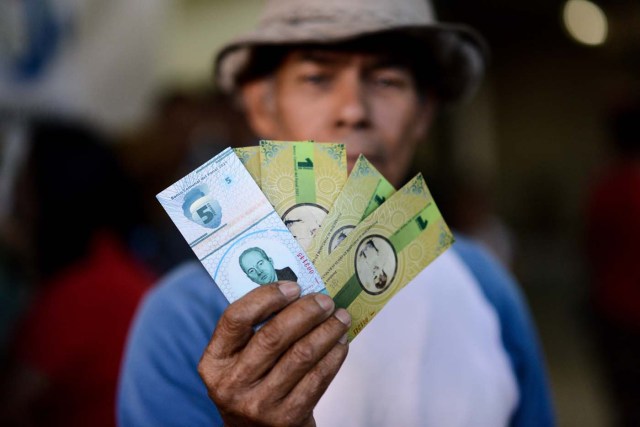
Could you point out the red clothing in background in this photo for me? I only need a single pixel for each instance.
(614, 244)
(74, 334)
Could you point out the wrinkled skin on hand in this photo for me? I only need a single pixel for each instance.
(274, 376)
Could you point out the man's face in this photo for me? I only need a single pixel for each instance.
(360, 99)
(258, 268)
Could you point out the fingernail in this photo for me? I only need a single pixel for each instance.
(324, 301)
(343, 316)
(290, 290)
(343, 339)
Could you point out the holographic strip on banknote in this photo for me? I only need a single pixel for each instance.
(385, 252)
(234, 230)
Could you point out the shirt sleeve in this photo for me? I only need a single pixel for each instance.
(159, 381)
(518, 336)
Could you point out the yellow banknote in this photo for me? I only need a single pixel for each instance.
(250, 159)
(302, 180)
(385, 252)
(364, 191)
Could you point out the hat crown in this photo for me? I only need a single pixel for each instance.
(390, 13)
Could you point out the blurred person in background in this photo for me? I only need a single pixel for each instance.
(14, 259)
(186, 129)
(91, 60)
(456, 348)
(77, 208)
(73, 76)
(613, 238)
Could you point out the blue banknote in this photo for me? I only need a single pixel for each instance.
(234, 230)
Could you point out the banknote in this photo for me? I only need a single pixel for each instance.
(250, 158)
(385, 252)
(364, 191)
(302, 180)
(234, 230)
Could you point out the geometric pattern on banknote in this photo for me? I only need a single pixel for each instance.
(278, 174)
(243, 154)
(328, 184)
(270, 150)
(335, 151)
(281, 187)
(250, 158)
(362, 168)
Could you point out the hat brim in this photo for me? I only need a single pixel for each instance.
(458, 51)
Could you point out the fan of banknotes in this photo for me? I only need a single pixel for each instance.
(288, 211)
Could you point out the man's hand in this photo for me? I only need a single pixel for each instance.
(274, 376)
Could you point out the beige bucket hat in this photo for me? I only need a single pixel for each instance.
(458, 51)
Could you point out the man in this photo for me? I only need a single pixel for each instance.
(454, 348)
(258, 267)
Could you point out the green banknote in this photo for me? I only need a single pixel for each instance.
(250, 158)
(385, 252)
(302, 180)
(365, 190)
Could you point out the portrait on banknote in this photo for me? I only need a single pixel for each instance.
(303, 221)
(376, 264)
(259, 267)
(259, 261)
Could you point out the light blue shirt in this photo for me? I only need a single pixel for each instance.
(481, 366)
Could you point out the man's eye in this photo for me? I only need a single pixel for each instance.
(252, 271)
(391, 80)
(260, 263)
(315, 78)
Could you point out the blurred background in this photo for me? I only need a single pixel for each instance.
(103, 103)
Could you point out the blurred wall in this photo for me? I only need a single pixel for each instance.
(195, 30)
(538, 135)
(93, 60)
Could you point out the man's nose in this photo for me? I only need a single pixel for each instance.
(352, 106)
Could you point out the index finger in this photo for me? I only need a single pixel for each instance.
(235, 327)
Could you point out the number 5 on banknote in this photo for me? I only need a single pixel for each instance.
(242, 245)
